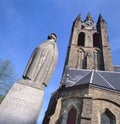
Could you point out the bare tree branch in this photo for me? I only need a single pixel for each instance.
(7, 77)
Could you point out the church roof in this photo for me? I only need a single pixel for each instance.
(105, 79)
(117, 68)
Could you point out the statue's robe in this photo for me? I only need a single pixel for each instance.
(42, 62)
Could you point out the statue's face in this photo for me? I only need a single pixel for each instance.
(53, 37)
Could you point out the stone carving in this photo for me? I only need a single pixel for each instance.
(21, 105)
(42, 62)
(23, 102)
(89, 23)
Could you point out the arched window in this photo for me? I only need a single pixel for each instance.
(96, 40)
(72, 114)
(107, 118)
(81, 39)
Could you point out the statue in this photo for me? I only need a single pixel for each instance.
(42, 61)
(23, 101)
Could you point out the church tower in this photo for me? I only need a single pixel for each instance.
(89, 91)
(89, 45)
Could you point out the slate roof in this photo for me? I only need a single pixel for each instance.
(105, 79)
(117, 68)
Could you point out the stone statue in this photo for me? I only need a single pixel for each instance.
(23, 102)
(42, 61)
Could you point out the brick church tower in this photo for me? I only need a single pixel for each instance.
(89, 91)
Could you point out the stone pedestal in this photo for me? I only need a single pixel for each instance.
(23, 102)
(21, 105)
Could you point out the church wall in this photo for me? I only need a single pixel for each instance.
(89, 103)
(107, 58)
(102, 100)
(72, 98)
(87, 99)
(54, 118)
(67, 99)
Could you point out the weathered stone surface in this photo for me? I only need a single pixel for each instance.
(89, 46)
(30, 83)
(42, 62)
(21, 105)
(23, 102)
(102, 100)
(89, 103)
(88, 49)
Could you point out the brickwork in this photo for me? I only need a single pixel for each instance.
(89, 100)
(107, 59)
(89, 103)
(96, 57)
(102, 100)
(84, 121)
(72, 98)
(55, 117)
(86, 107)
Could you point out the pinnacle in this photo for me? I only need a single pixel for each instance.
(79, 17)
(89, 17)
(100, 18)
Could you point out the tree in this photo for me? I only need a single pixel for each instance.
(7, 77)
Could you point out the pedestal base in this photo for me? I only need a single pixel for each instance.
(21, 105)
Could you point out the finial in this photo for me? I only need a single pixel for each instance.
(88, 22)
(89, 17)
(100, 18)
(79, 17)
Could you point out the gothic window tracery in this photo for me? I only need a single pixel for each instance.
(107, 117)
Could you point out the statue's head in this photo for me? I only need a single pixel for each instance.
(52, 36)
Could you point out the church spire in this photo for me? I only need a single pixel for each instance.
(100, 18)
(89, 17)
(78, 22)
(89, 45)
(106, 53)
(88, 23)
(79, 17)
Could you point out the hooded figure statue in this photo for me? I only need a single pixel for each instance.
(42, 61)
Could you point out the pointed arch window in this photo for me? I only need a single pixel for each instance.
(72, 114)
(96, 40)
(107, 118)
(81, 39)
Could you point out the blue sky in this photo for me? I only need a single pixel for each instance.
(24, 24)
